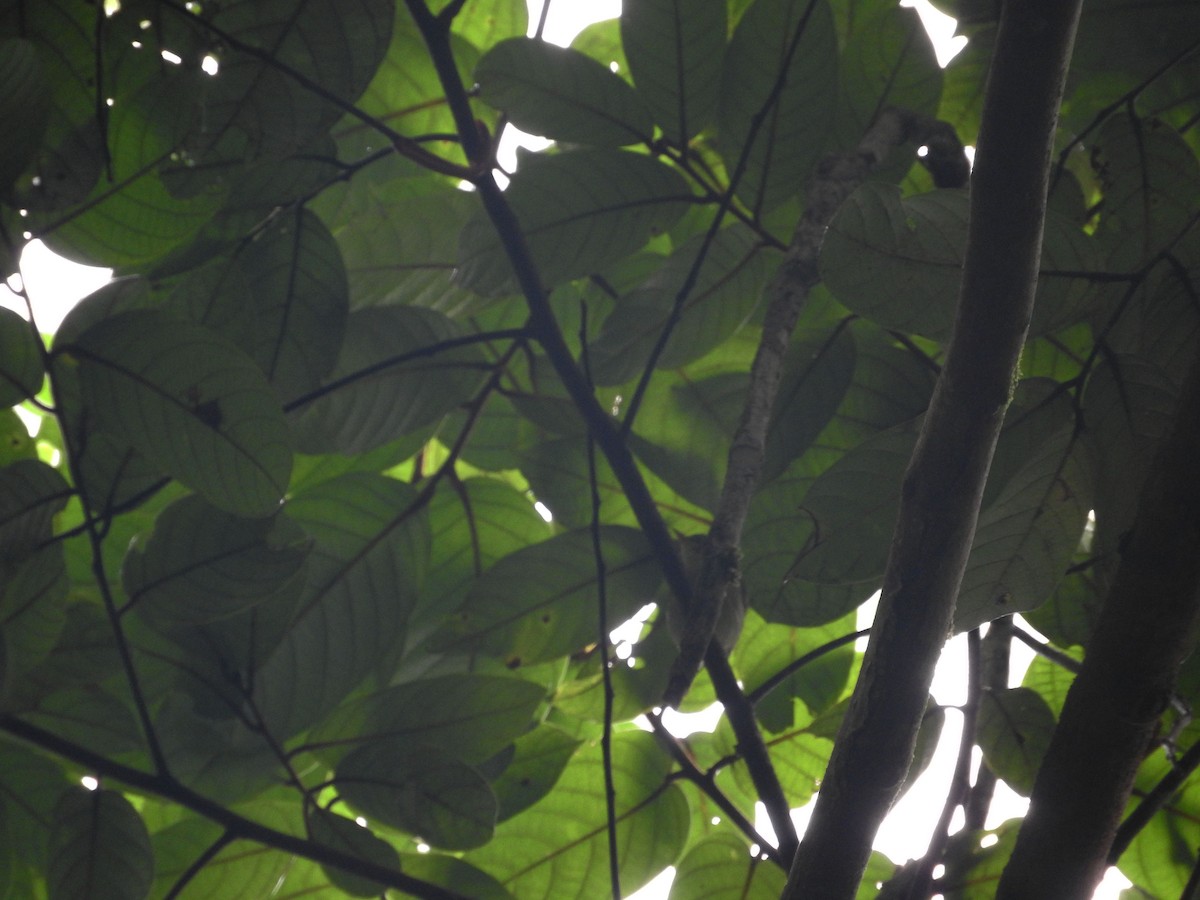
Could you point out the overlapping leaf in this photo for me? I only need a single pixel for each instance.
(720, 867)
(99, 847)
(778, 95)
(674, 51)
(154, 380)
(579, 211)
(561, 94)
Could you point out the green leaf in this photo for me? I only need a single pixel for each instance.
(454, 874)
(241, 871)
(674, 51)
(91, 717)
(1026, 538)
(561, 94)
(485, 22)
(24, 107)
(31, 494)
(539, 759)
(30, 785)
(778, 95)
(99, 848)
(420, 789)
(192, 404)
(540, 603)
(202, 564)
(471, 716)
(366, 568)
(726, 290)
(1013, 732)
(558, 847)
(33, 598)
(347, 836)
(898, 261)
(283, 298)
(20, 359)
(579, 211)
(721, 867)
(401, 368)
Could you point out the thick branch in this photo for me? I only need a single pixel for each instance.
(943, 486)
(1108, 722)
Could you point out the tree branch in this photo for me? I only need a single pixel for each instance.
(943, 486)
(1108, 723)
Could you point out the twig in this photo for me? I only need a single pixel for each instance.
(755, 696)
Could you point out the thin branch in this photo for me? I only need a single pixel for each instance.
(1070, 663)
(544, 328)
(1160, 795)
(238, 827)
(198, 864)
(755, 696)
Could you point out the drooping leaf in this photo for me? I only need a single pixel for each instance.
(202, 564)
(420, 789)
(561, 94)
(778, 94)
(540, 602)
(674, 51)
(579, 211)
(99, 847)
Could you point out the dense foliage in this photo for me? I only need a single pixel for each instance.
(270, 566)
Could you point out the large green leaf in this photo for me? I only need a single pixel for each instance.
(401, 368)
(1014, 731)
(778, 96)
(347, 836)
(471, 716)
(33, 597)
(371, 549)
(99, 848)
(31, 493)
(538, 760)
(1026, 537)
(283, 298)
(420, 789)
(540, 603)
(674, 49)
(191, 403)
(558, 847)
(579, 211)
(24, 106)
(723, 295)
(202, 564)
(898, 261)
(561, 94)
(721, 867)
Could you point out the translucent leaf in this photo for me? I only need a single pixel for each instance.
(898, 261)
(365, 573)
(99, 848)
(561, 94)
(347, 836)
(540, 603)
(23, 107)
(202, 564)
(91, 717)
(725, 294)
(1026, 538)
(472, 716)
(453, 874)
(283, 298)
(241, 871)
(420, 789)
(674, 51)
(720, 867)
(485, 22)
(20, 359)
(579, 211)
(190, 402)
(1013, 732)
(31, 494)
(400, 369)
(539, 759)
(558, 847)
(778, 95)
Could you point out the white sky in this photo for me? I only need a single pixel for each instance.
(55, 285)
